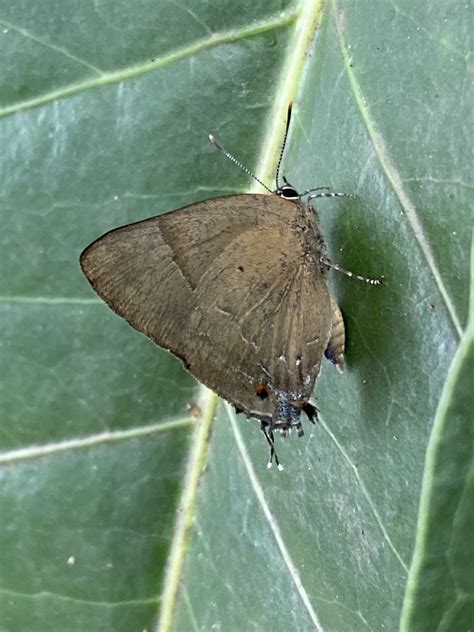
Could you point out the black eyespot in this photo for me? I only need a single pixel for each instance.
(240, 268)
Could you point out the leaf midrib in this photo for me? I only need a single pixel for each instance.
(308, 16)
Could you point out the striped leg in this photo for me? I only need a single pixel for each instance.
(336, 266)
(324, 192)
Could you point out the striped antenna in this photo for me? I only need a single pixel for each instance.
(288, 119)
(226, 153)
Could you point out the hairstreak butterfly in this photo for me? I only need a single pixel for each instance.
(235, 287)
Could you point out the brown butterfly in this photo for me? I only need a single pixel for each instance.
(235, 287)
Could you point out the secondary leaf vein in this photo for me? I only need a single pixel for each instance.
(393, 175)
(126, 73)
(366, 494)
(272, 523)
(34, 452)
(57, 49)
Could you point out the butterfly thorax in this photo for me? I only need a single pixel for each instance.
(306, 225)
(306, 221)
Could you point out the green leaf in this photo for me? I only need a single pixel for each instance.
(118, 509)
(444, 554)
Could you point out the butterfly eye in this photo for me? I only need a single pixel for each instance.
(287, 192)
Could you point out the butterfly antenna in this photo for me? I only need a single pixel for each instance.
(226, 153)
(288, 118)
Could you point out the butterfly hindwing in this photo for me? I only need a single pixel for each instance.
(222, 285)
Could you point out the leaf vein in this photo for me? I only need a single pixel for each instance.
(393, 176)
(272, 523)
(33, 452)
(45, 594)
(57, 49)
(366, 495)
(174, 56)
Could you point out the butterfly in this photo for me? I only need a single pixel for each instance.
(235, 287)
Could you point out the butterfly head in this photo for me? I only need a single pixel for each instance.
(287, 191)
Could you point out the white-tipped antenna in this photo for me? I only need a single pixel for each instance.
(237, 162)
(277, 173)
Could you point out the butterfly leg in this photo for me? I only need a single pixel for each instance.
(335, 266)
(324, 192)
(335, 349)
(268, 432)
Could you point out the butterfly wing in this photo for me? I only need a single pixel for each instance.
(226, 286)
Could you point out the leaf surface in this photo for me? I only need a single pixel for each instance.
(108, 520)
